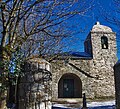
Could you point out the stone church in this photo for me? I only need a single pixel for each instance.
(89, 72)
(74, 73)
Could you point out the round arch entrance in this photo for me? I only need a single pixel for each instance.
(70, 86)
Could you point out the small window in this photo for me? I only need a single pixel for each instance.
(104, 42)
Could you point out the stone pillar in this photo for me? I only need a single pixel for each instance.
(117, 83)
(35, 85)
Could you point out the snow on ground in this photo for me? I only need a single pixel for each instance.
(91, 105)
(71, 101)
(58, 105)
(106, 103)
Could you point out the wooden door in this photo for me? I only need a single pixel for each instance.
(68, 88)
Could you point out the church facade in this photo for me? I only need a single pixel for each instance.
(90, 72)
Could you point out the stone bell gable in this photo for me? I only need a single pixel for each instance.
(93, 68)
(103, 41)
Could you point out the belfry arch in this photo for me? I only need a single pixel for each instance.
(69, 86)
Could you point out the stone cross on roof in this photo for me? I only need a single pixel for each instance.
(97, 23)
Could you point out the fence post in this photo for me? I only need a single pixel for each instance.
(84, 102)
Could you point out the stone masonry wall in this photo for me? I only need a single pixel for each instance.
(59, 68)
(102, 64)
(35, 85)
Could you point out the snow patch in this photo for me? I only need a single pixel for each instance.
(91, 105)
(71, 101)
(59, 105)
(107, 103)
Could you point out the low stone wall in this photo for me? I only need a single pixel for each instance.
(35, 85)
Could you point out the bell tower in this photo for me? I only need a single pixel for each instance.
(101, 45)
(103, 42)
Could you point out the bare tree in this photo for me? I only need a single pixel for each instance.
(112, 17)
(39, 20)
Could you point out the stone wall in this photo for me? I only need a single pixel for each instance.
(35, 85)
(59, 68)
(100, 85)
(102, 64)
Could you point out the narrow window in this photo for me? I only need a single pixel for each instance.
(104, 42)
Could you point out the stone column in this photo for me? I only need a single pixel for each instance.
(117, 84)
(35, 85)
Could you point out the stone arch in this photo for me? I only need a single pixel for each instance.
(70, 86)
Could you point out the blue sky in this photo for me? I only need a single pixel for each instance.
(85, 23)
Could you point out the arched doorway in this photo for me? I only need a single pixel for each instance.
(70, 86)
